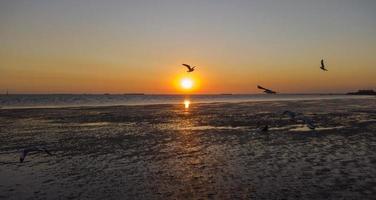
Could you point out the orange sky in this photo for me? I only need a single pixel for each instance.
(120, 47)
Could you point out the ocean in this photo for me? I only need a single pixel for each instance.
(78, 100)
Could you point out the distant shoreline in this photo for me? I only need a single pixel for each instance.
(363, 92)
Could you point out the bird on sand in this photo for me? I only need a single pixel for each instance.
(299, 117)
(190, 69)
(291, 114)
(308, 121)
(26, 151)
(267, 91)
(323, 65)
(265, 128)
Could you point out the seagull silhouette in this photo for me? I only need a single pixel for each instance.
(25, 152)
(190, 69)
(323, 65)
(267, 91)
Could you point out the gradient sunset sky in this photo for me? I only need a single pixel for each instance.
(118, 46)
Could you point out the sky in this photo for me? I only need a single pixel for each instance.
(123, 46)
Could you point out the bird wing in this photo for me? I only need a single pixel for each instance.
(189, 67)
(269, 91)
(322, 63)
(259, 87)
(43, 149)
(23, 155)
(266, 90)
(48, 152)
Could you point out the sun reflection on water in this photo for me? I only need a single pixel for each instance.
(186, 104)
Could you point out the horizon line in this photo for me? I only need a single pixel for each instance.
(140, 93)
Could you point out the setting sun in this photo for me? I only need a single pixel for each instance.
(186, 83)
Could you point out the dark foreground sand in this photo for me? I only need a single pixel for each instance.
(210, 151)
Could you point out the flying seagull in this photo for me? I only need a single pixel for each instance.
(25, 152)
(190, 69)
(267, 91)
(323, 65)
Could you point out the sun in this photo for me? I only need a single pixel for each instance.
(186, 83)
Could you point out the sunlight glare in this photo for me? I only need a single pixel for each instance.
(186, 83)
(186, 104)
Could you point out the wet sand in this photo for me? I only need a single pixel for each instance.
(209, 151)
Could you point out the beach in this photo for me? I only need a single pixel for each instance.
(206, 151)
